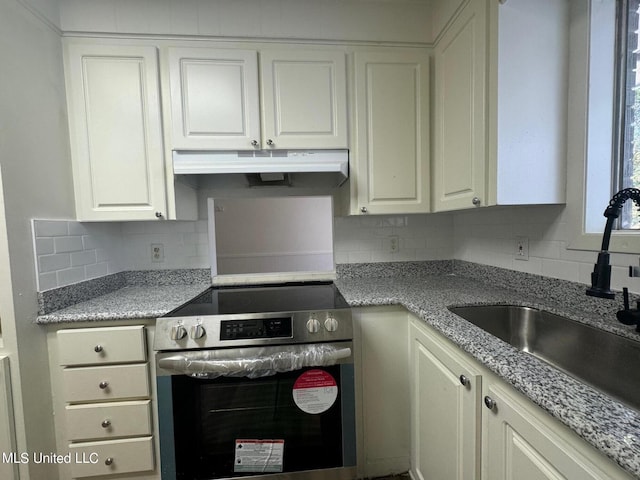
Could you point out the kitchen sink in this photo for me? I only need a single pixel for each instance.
(604, 360)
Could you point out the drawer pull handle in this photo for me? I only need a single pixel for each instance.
(108, 461)
(103, 385)
(98, 348)
(106, 423)
(464, 381)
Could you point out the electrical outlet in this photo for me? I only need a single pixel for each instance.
(522, 248)
(157, 252)
(394, 244)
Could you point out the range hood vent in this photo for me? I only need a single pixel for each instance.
(263, 163)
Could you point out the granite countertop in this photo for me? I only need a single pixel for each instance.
(608, 425)
(129, 302)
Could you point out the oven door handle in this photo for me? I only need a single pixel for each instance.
(254, 362)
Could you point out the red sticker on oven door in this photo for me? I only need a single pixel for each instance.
(315, 391)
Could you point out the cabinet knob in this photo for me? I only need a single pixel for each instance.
(270, 143)
(108, 461)
(464, 380)
(106, 423)
(489, 402)
(103, 385)
(363, 210)
(98, 348)
(158, 214)
(254, 143)
(476, 201)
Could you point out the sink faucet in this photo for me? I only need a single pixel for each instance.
(601, 275)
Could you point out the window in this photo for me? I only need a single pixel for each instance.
(627, 109)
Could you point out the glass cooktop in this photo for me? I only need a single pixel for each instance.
(286, 297)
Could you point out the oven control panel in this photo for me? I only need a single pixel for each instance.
(255, 328)
(277, 328)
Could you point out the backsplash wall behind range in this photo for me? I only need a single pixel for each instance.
(69, 252)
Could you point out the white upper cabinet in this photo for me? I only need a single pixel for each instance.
(216, 102)
(214, 98)
(116, 132)
(501, 105)
(391, 161)
(460, 63)
(304, 99)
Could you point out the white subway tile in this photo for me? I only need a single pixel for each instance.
(47, 281)
(97, 270)
(44, 246)
(70, 276)
(50, 228)
(560, 269)
(83, 258)
(51, 263)
(76, 228)
(68, 244)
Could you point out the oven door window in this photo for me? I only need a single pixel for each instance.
(211, 415)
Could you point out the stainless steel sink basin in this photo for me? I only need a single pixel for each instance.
(604, 360)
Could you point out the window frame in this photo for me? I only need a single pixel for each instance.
(590, 130)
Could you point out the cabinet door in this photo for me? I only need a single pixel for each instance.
(459, 167)
(519, 445)
(214, 99)
(116, 133)
(304, 100)
(392, 145)
(445, 411)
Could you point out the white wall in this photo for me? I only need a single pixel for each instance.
(36, 177)
(378, 20)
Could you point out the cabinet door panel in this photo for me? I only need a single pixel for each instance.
(445, 414)
(214, 98)
(519, 446)
(392, 172)
(304, 99)
(116, 132)
(460, 118)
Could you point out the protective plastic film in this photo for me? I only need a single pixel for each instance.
(253, 362)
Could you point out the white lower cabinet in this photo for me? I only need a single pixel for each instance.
(456, 436)
(445, 411)
(382, 390)
(104, 402)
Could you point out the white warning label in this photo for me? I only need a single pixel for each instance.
(315, 391)
(259, 455)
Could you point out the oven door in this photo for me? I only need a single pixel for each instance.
(293, 424)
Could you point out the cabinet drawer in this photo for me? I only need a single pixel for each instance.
(100, 421)
(94, 346)
(113, 457)
(89, 384)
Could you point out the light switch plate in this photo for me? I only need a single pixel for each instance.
(522, 248)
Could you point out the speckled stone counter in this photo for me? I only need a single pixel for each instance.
(608, 425)
(426, 289)
(129, 302)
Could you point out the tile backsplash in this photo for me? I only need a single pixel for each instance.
(69, 252)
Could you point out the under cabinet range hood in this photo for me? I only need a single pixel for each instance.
(267, 165)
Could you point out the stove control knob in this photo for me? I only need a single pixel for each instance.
(313, 325)
(331, 324)
(178, 332)
(197, 331)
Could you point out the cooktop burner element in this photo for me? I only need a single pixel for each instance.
(282, 314)
(287, 297)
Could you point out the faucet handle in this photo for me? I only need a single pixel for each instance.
(628, 316)
(634, 271)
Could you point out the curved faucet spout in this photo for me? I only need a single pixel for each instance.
(601, 275)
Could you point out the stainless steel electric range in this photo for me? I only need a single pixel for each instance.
(257, 381)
